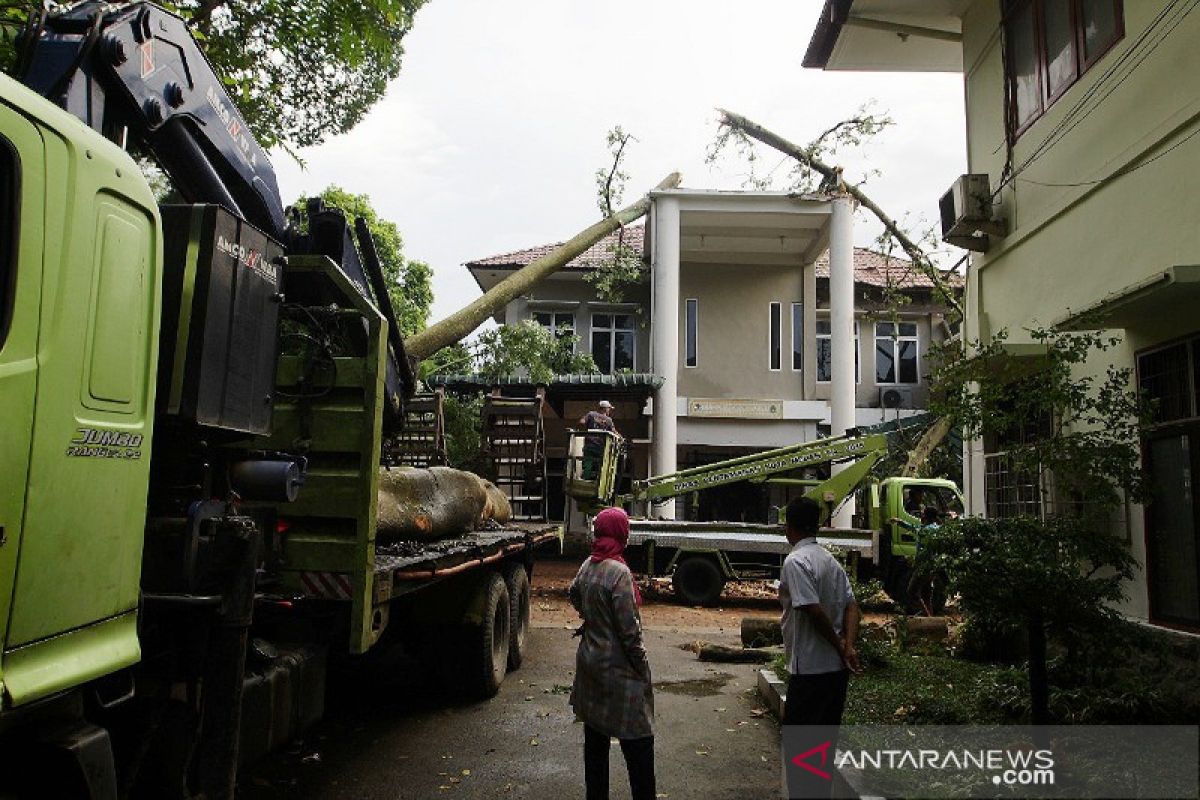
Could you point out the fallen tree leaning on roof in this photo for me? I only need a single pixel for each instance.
(463, 322)
(937, 432)
(441, 502)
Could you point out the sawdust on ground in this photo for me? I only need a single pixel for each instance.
(660, 608)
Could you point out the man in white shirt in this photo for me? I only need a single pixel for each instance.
(820, 623)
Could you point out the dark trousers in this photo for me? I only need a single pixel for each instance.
(816, 700)
(639, 760)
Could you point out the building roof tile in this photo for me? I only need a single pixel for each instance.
(870, 267)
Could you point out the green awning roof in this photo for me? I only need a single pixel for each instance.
(634, 380)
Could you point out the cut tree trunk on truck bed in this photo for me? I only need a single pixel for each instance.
(436, 503)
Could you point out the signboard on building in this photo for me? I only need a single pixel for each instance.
(734, 408)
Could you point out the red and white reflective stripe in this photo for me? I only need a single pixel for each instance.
(333, 585)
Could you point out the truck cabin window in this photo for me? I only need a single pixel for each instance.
(1051, 43)
(9, 224)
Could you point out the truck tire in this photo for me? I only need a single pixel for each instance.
(698, 581)
(517, 581)
(487, 652)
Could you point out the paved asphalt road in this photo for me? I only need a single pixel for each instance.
(393, 736)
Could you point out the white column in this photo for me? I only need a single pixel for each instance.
(664, 341)
(841, 321)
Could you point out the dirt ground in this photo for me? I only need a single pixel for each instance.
(660, 609)
(390, 733)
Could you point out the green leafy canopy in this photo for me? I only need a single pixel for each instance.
(526, 348)
(300, 71)
(410, 283)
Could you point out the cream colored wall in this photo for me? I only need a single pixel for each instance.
(569, 289)
(733, 331)
(1070, 246)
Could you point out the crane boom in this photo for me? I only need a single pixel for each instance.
(594, 462)
(135, 74)
(167, 97)
(760, 465)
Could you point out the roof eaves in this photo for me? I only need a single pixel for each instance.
(825, 35)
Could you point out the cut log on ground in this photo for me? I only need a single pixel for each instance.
(436, 503)
(761, 631)
(461, 323)
(933, 629)
(707, 651)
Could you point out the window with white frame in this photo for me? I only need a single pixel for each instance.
(691, 333)
(775, 343)
(825, 351)
(896, 352)
(797, 337)
(560, 323)
(614, 342)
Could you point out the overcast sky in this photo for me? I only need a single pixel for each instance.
(489, 139)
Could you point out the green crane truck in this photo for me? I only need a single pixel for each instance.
(195, 399)
(701, 557)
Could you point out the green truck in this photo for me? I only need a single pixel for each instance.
(701, 557)
(195, 400)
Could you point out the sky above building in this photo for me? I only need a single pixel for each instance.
(490, 138)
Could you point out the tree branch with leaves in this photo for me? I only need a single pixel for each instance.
(739, 131)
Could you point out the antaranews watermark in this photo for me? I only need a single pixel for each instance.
(1082, 762)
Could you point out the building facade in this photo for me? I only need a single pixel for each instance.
(1083, 115)
(752, 358)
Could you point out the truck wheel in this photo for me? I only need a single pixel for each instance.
(488, 651)
(517, 581)
(698, 581)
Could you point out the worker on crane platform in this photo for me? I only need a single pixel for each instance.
(598, 419)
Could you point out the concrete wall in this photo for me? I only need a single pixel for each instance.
(1070, 246)
(734, 329)
(734, 334)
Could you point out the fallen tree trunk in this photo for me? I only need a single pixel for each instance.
(760, 631)
(436, 503)
(919, 456)
(911, 248)
(707, 651)
(461, 323)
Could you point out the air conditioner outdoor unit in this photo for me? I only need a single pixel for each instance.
(967, 214)
(895, 397)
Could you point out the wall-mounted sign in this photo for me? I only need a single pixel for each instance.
(734, 408)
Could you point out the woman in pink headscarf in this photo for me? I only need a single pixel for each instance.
(613, 693)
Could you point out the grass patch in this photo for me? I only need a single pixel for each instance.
(910, 686)
(1145, 678)
(935, 688)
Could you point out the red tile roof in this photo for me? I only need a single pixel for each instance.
(870, 268)
(876, 269)
(595, 255)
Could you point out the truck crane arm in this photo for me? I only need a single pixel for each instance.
(135, 72)
(595, 491)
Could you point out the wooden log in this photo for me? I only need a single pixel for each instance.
(761, 631)
(436, 503)
(934, 629)
(707, 651)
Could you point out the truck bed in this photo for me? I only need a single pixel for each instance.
(740, 537)
(408, 565)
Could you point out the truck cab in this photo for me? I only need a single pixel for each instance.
(894, 506)
(80, 256)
